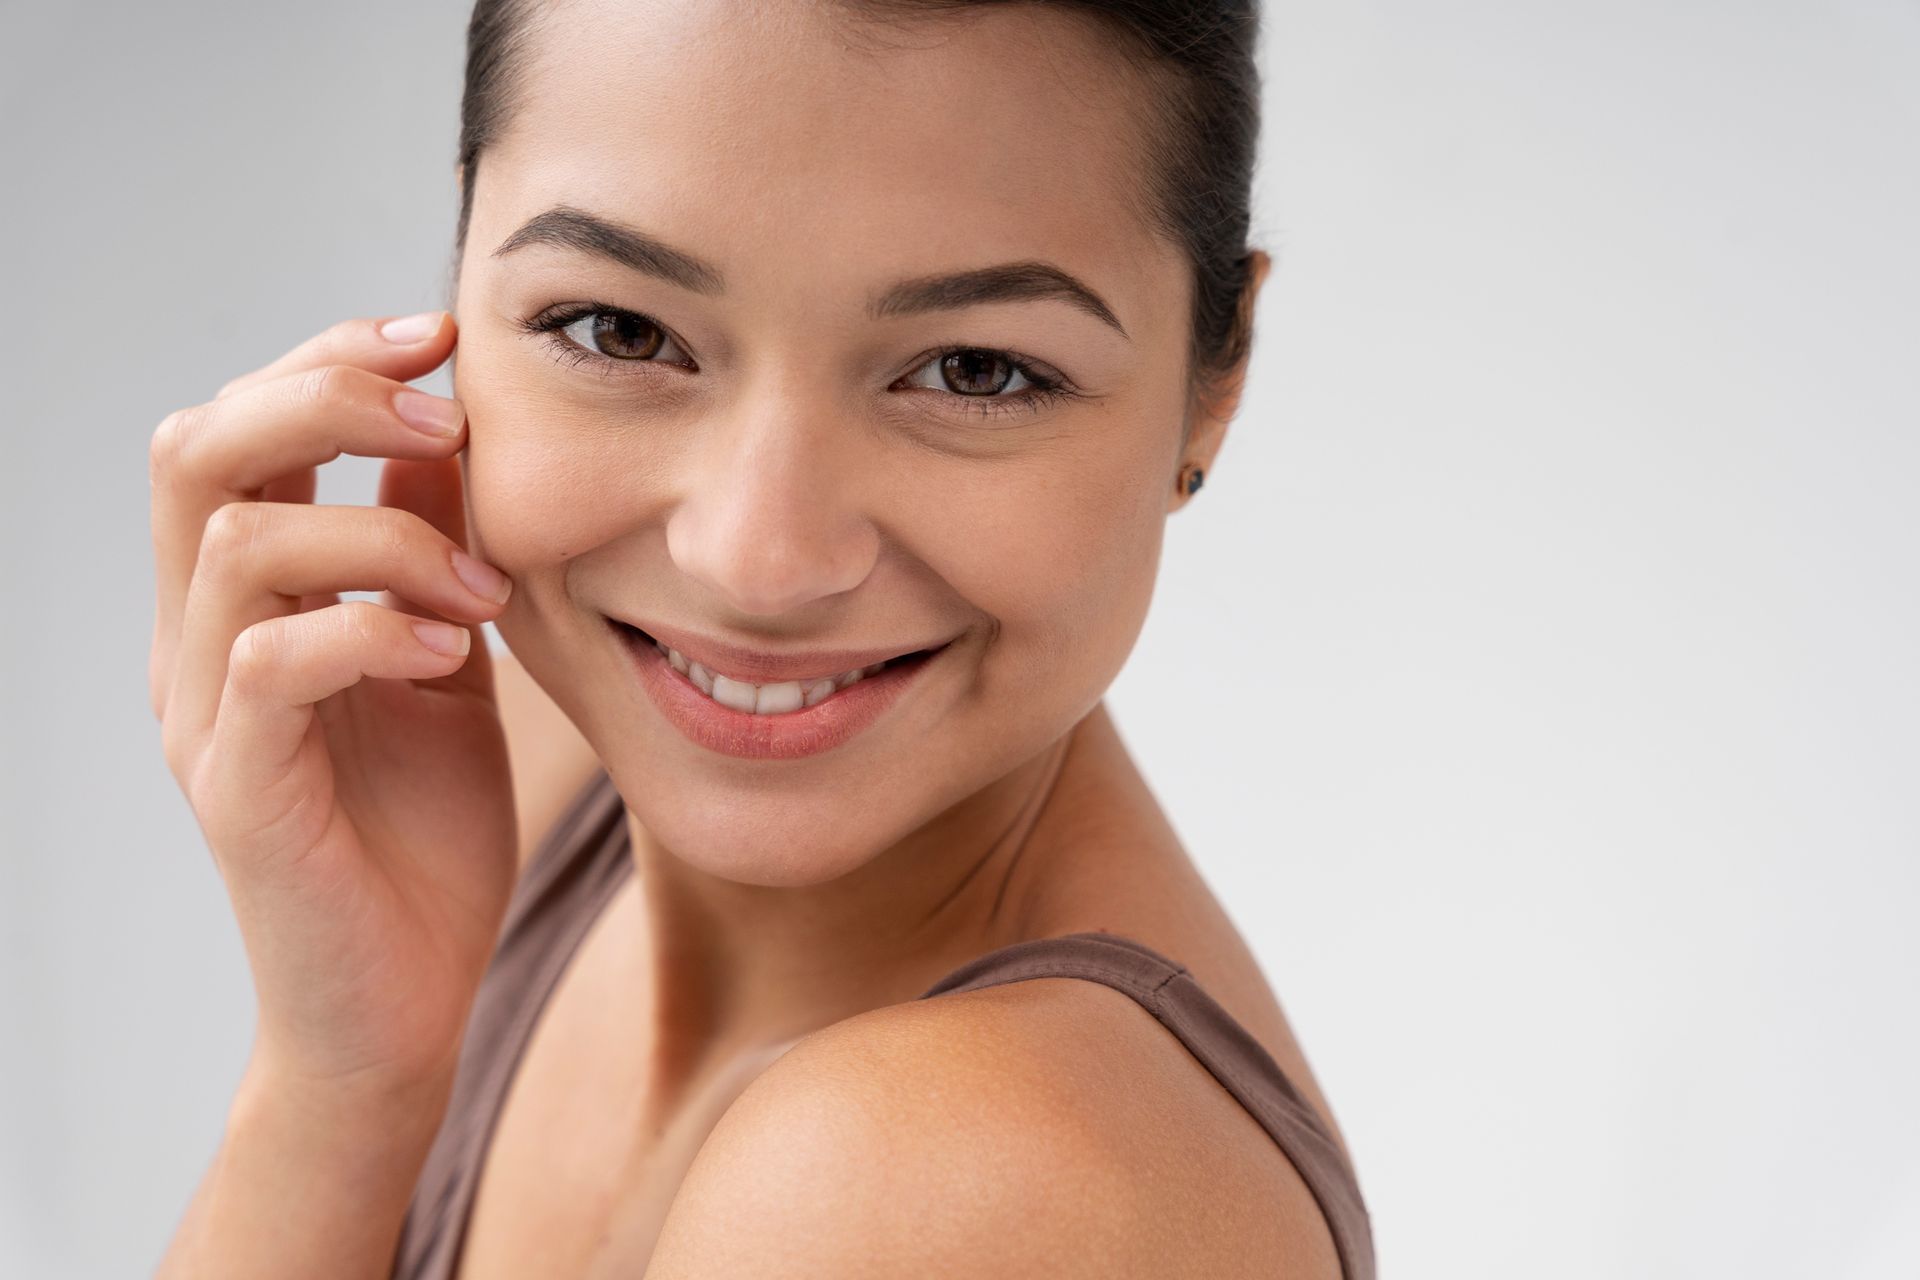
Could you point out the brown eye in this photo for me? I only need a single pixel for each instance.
(985, 382)
(970, 372)
(624, 336)
(597, 336)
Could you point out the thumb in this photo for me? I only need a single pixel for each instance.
(432, 489)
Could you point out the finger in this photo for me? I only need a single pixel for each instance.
(401, 348)
(299, 487)
(271, 436)
(280, 668)
(259, 559)
(433, 490)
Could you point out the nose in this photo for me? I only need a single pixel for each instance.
(772, 516)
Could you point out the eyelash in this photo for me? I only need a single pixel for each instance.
(1045, 388)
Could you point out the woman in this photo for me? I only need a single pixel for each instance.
(827, 373)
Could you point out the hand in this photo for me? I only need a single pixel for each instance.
(364, 827)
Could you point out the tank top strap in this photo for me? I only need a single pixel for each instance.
(1229, 1052)
(568, 879)
(574, 872)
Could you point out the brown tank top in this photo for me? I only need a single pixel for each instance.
(584, 858)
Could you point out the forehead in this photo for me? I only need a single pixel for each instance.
(782, 138)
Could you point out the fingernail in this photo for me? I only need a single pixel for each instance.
(482, 578)
(435, 415)
(443, 637)
(412, 328)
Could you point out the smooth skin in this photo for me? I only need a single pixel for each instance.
(364, 828)
(733, 1078)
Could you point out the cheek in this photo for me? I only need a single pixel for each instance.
(539, 487)
(1062, 552)
(533, 501)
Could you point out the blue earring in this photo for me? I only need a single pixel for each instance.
(1190, 477)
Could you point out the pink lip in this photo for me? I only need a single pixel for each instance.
(790, 735)
(757, 667)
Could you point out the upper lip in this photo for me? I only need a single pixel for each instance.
(757, 666)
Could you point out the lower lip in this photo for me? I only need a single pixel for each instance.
(785, 736)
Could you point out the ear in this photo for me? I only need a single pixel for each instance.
(1216, 405)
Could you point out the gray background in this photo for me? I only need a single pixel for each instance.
(1534, 680)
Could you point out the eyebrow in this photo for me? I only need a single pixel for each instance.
(570, 228)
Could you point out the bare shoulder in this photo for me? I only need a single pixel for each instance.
(1049, 1127)
(551, 761)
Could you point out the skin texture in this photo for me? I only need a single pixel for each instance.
(786, 495)
(734, 1057)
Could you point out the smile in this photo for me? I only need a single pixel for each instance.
(770, 719)
(771, 699)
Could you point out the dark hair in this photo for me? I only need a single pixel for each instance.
(1199, 152)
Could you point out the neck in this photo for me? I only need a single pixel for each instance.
(737, 968)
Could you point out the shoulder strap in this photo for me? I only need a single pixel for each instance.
(570, 876)
(1239, 1062)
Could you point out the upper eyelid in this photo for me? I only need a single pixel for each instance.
(551, 321)
(1050, 379)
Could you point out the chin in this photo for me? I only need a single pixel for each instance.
(763, 839)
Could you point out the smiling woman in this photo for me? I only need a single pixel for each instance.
(787, 905)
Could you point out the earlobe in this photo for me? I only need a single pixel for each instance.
(1185, 484)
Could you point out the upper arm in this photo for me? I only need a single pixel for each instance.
(867, 1150)
(549, 758)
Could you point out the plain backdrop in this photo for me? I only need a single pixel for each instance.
(1534, 679)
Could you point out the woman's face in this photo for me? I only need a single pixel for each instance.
(759, 444)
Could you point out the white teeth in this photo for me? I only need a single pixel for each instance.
(765, 699)
(733, 693)
(776, 698)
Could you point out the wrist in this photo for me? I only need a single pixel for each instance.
(379, 1095)
(313, 1175)
(369, 1118)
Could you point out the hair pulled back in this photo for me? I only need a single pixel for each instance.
(1199, 154)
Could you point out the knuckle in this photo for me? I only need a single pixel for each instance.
(361, 623)
(257, 652)
(323, 385)
(396, 534)
(174, 749)
(231, 532)
(171, 439)
(197, 780)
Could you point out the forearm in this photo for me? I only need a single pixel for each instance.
(307, 1182)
